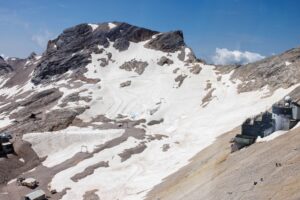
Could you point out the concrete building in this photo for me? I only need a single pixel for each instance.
(285, 115)
(36, 195)
(6, 146)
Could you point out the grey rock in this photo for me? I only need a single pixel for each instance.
(59, 64)
(104, 62)
(33, 104)
(4, 67)
(137, 66)
(154, 122)
(96, 50)
(165, 147)
(196, 69)
(167, 42)
(125, 84)
(72, 49)
(129, 32)
(180, 79)
(74, 97)
(109, 55)
(164, 60)
(121, 44)
(181, 55)
(51, 121)
(176, 70)
(127, 153)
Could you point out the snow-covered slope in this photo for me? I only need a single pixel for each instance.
(144, 110)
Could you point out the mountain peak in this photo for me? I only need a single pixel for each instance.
(72, 48)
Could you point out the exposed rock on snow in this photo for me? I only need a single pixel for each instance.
(167, 42)
(179, 79)
(208, 97)
(125, 84)
(121, 44)
(134, 65)
(196, 69)
(127, 153)
(153, 122)
(73, 47)
(165, 147)
(91, 195)
(89, 171)
(164, 60)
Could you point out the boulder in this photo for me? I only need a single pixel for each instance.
(164, 60)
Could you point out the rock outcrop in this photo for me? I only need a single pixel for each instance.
(167, 42)
(165, 61)
(72, 49)
(134, 65)
(277, 71)
(4, 67)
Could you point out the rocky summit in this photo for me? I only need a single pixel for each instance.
(116, 111)
(72, 49)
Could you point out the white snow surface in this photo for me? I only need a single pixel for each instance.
(94, 26)
(287, 63)
(153, 95)
(111, 25)
(271, 137)
(62, 145)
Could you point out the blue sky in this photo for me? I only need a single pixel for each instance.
(263, 26)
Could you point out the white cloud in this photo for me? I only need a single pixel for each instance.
(224, 56)
(42, 38)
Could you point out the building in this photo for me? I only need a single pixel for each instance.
(285, 115)
(259, 126)
(36, 195)
(6, 146)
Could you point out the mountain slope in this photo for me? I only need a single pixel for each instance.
(116, 108)
(266, 170)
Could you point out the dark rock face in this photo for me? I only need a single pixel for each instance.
(34, 104)
(164, 60)
(57, 64)
(72, 49)
(137, 66)
(4, 67)
(52, 121)
(121, 44)
(125, 84)
(31, 116)
(130, 33)
(167, 42)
